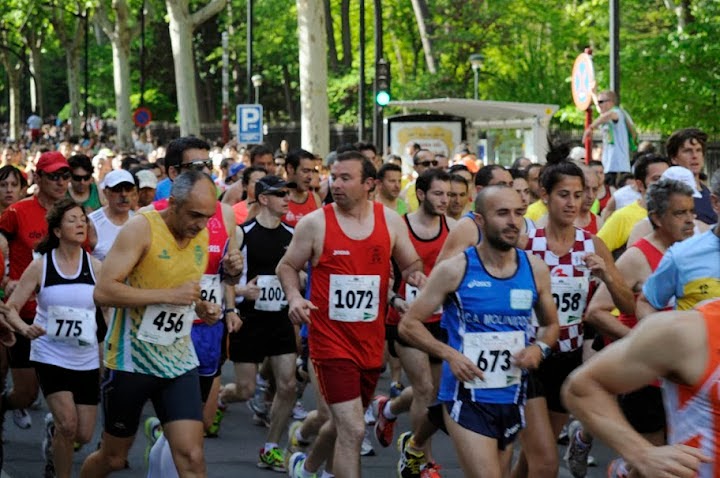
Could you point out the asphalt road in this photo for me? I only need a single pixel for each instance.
(234, 453)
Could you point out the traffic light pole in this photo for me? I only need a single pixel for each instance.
(378, 111)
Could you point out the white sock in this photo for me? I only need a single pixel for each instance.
(387, 413)
(160, 462)
(269, 446)
(299, 436)
(326, 474)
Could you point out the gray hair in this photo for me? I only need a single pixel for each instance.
(715, 184)
(658, 195)
(183, 185)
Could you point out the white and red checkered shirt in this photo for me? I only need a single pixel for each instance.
(571, 283)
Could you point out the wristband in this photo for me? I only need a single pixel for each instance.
(231, 310)
(544, 349)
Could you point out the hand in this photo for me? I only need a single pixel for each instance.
(529, 357)
(185, 294)
(251, 290)
(463, 368)
(679, 461)
(208, 312)
(233, 263)
(417, 278)
(32, 331)
(233, 322)
(400, 305)
(597, 266)
(299, 310)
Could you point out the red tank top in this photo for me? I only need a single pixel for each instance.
(653, 256)
(603, 202)
(297, 211)
(349, 286)
(592, 227)
(428, 250)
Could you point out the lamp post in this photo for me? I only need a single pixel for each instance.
(257, 81)
(476, 61)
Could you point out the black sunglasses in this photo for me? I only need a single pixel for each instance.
(602, 101)
(80, 177)
(198, 164)
(315, 190)
(57, 176)
(427, 164)
(278, 194)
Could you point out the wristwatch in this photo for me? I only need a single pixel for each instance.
(544, 349)
(233, 310)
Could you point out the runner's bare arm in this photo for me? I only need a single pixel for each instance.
(622, 295)
(29, 282)
(444, 279)
(4, 247)
(462, 236)
(91, 235)
(128, 249)
(590, 392)
(233, 259)
(545, 307)
(404, 253)
(643, 308)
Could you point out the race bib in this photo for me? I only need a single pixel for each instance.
(272, 296)
(411, 292)
(493, 352)
(354, 298)
(163, 324)
(211, 289)
(71, 325)
(570, 295)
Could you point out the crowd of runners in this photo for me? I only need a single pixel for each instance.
(483, 292)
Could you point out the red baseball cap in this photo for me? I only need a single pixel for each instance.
(51, 161)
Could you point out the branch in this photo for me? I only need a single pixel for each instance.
(206, 13)
(101, 19)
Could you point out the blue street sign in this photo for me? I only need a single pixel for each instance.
(250, 124)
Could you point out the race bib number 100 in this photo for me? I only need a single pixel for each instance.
(272, 297)
(493, 353)
(162, 324)
(354, 298)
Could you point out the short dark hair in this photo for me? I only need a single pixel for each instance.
(678, 138)
(485, 174)
(361, 146)
(553, 172)
(128, 162)
(259, 150)
(345, 147)
(80, 161)
(518, 174)
(385, 168)
(293, 157)
(368, 168)
(595, 162)
(456, 178)
(425, 180)
(176, 148)
(10, 170)
(415, 156)
(247, 172)
(458, 167)
(643, 162)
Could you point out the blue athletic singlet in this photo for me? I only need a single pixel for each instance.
(488, 319)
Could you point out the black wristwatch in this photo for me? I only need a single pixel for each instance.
(231, 310)
(544, 349)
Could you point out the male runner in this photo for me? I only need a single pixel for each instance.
(300, 165)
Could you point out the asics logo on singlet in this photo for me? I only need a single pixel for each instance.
(341, 252)
(479, 283)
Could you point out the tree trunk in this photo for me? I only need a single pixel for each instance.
(72, 63)
(13, 69)
(330, 30)
(682, 12)
(313, 77)
(37, 99)
(422, 14)
(346, 34)
(121, 81)
(289, 100)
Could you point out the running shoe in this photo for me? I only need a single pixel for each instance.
(299, 412)
(430, 470)
(295, 445)
(214, 428)
(47, 446)
(411, 461)
(272, 459)
(22, 418)
(562, 438)
(261, 420)
(617, 469)
(576, 454)
(370, 415)
(152, 430)
(295, 466)
(366, 448)
(396, 389)
(384, 427)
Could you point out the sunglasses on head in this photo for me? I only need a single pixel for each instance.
(81, 177)
(427, 164)
(198, 164)
(56, 176)
(278, 194)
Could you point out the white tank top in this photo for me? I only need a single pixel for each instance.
(106, 232)
(66, 310)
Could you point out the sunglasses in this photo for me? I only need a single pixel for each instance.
(427, 164)
(198, 164)
(278, 194)
(79, 177)
(315, 190)
(57, 176)
(602, 101)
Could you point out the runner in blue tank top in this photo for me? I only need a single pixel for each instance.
(489, 293)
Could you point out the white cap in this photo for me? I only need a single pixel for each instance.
(684, 175)
(577, 153)
(116, 177)
(146, 179)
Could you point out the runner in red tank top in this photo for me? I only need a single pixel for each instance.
(670, 208)
(300, 165)
(428, 228)
(348, 244)
(690, 365)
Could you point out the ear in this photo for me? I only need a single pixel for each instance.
(420, 195)
(173, 172)
(544, 196)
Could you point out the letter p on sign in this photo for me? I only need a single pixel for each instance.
(250, 124)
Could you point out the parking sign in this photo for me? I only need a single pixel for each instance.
(250, 124)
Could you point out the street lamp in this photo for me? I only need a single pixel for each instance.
(476, 61)
(257, 81)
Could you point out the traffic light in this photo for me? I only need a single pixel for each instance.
(382, 82)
